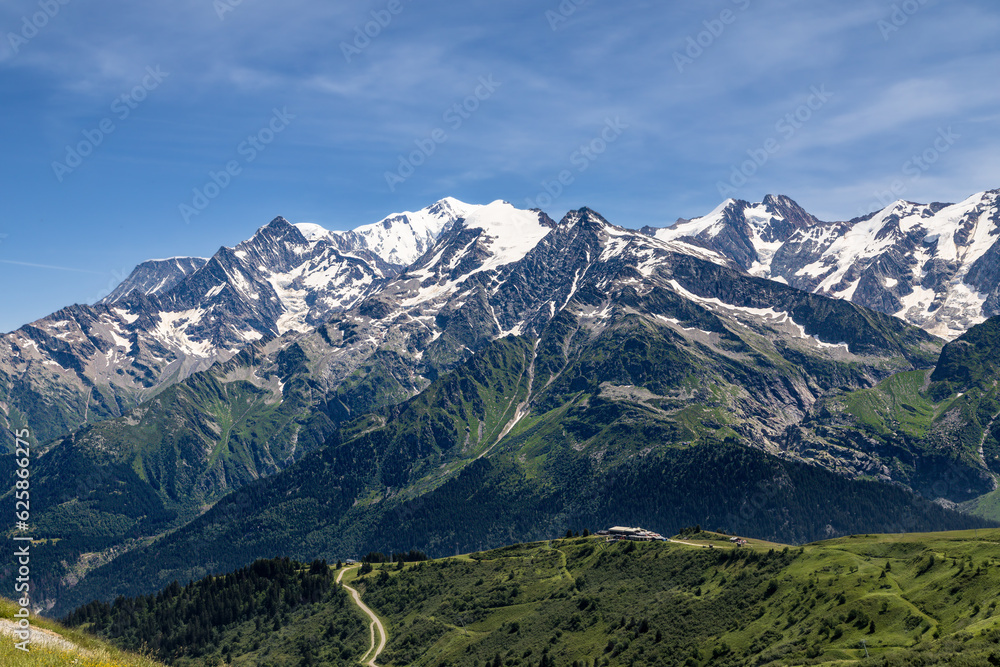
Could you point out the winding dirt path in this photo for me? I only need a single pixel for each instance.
(690, 544)
(383, 636)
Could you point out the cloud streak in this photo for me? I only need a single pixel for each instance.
(49, 266)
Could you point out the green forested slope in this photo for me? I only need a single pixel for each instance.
(936, 430)
(916, 599)
(272, 612)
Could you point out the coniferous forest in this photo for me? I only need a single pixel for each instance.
(275, 609)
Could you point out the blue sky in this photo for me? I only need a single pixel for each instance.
(833, 99)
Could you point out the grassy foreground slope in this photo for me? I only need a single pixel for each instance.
(908, 599)
(53, 645)
(921, 599)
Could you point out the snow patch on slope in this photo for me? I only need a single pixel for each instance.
(511, 232)
(402, 238)
(172, 329)
(710, 225)
(770, 316)
(312, 231)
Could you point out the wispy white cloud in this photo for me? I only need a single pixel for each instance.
(49, 267)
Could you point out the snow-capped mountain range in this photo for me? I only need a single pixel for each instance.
(933, 265)
(171, 318)
(511, 335)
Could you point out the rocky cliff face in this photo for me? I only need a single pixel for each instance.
(154, 276)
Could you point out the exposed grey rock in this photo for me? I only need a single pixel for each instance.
(154, 276)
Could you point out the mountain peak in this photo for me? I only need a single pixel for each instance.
(448, 204)
(743, 231)
(785, 207)
(278, 230)
(586, 211)
(402, 238)
(155, 276)
(586, 217)
(500, 217)
(490, 236)
(278, 223)
(311, 230)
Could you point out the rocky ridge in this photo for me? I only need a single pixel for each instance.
(934, 265)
